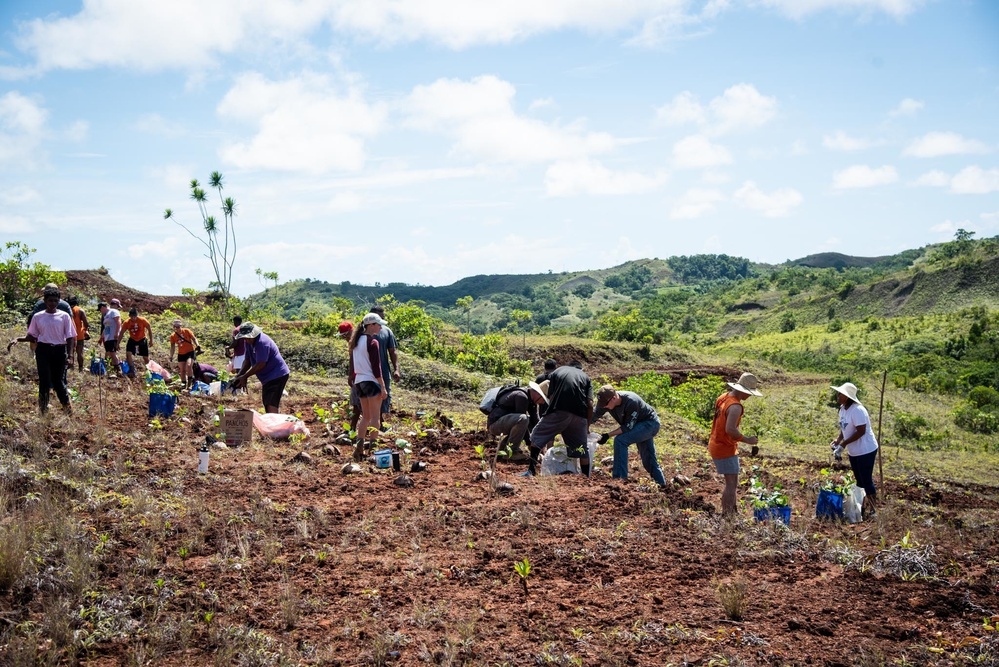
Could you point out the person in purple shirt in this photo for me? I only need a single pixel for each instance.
(54, 334)
(263, 359)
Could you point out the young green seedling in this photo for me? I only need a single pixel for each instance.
(523, 568)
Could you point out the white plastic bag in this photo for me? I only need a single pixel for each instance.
(557, 462)
(853, 503)
(278, 426)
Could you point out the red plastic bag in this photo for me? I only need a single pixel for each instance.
(154, 367)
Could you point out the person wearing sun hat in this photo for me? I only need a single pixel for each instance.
(723, 443)
(856, 436)
(514, 416)
(263, 359)
(638, 423)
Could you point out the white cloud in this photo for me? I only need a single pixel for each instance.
(936, 144)
(933, 179)
(798, 9)
(545, 103)
(153, 123)
(155, 35)
(165, 249)
(799, 148)
(22, 128)
(862, 176)
(77, 131)
(304, 123)
(975, 181)
(564, 179)
(345, 202)
(947, 228)
(841, 141)
(685, 108)
(740, 107)
(772, 205)
(695, 203)
(907, 107)
(697, 152)
(21, 194)
(479, 115)
(13, 224)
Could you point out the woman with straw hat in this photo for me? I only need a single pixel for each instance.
(723, 444)
(855, 434)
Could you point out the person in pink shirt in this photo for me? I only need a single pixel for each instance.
(54, 333)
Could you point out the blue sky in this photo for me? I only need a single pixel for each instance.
(427, 140)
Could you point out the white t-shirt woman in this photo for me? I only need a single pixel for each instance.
(850, 418)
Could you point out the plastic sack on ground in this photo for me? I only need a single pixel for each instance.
(278, 426)
(154, 367)
(557, 462)
(97, 367)
(200, 389)
(853, 503)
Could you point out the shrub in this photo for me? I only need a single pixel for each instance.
(910, 427)
(734, 598)
(787, 323)
(969, 417)
(983, 397)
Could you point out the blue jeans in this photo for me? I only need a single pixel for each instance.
(642, 435)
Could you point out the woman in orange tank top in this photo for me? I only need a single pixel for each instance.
(723, 444)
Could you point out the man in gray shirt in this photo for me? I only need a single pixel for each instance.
(637, 423)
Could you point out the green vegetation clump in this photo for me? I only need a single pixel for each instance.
(980, 412)
(693, 400)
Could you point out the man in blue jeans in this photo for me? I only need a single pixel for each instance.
(638, 423)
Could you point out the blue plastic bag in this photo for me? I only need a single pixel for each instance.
(782, 514)
(829, 506)
(125, 368)
(161, 405)
(97, 367)
(153, 377)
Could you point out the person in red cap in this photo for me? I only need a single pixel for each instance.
(346, 329)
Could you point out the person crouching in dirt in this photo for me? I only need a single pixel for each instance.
(204, 372)
(140, 339)
(514, 415)
(570, 408)
(54, 335)
(855, 434)
(723, 444)
(184, 342)
(638, 423)
(82, 324)
(364, 375)
(263, 359)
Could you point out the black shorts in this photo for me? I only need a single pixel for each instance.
(185, 357)
(110, 346)
(139, 347)
(273, 390)
(367, 389)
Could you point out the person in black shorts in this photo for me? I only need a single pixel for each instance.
(570, 410)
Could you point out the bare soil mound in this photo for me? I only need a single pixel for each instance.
(99, 284)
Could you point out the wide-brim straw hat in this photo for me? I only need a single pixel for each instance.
(849, 390)
(540, 388)
(747, 384)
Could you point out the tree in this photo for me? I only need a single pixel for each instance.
(519, 318)
(21, 283)
(221, 252)
(465, 304)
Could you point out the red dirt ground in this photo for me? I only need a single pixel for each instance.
(352, 570)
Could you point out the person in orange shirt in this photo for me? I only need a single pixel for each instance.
(723, 444)
(185, 343)
(82, 324)
(140, 339)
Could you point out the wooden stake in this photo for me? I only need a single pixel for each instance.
(881, 405)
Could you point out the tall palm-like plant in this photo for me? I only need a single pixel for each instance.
(219, 240)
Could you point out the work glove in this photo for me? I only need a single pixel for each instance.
(604, 437)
